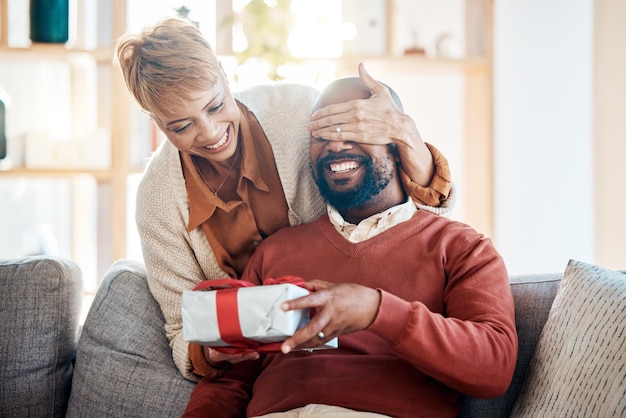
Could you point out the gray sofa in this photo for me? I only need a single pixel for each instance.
(123, 366)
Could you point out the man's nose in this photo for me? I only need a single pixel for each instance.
(338, 146)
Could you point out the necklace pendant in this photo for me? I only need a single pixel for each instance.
(216, 191)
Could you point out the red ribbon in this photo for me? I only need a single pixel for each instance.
(228, 313)
(298, 281)
(228, 318)
(218, 284)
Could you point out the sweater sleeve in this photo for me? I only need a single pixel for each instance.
(225, 397)
(473, 347)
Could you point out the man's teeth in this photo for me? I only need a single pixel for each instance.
(220, 143)
(341, 167)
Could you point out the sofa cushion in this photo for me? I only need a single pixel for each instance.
(124, 365)
(579, 367)
(533, 295)
(39, 316)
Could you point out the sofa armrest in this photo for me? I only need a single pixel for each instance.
(39, 316)
(124, 365)
(533, 296)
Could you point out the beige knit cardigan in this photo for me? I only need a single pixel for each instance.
(177, 260)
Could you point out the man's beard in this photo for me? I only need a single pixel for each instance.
(373, 182)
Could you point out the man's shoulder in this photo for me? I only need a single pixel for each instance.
(288, 235)
(442, 224)
(305, 228)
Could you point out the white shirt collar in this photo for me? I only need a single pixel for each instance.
(373, 225)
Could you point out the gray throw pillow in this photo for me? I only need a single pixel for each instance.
(579, 366)
(124, 365)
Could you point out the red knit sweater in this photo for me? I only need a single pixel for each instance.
(445, 324)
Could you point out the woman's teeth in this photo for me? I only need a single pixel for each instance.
(341, 167)
(219, 143)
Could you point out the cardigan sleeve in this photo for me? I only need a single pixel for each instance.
(437, 192)
(175, 260)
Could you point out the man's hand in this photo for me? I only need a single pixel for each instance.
(341, 308)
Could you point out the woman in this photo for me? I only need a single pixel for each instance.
(234, 171)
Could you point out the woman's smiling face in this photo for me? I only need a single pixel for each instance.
(206, 126)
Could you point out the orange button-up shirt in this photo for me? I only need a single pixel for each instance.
(259, 209)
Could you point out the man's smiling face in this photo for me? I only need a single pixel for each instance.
(349, 175)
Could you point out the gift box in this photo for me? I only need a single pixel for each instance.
(243, 317)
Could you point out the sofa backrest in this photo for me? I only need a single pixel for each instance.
(533, 296)
(40, 306)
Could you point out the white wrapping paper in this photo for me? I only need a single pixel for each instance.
(260, 316)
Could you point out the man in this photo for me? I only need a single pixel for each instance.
(421, 304)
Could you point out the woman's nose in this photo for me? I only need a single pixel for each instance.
(208, 130)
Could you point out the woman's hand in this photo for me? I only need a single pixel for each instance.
(376, 120)
(341, 308)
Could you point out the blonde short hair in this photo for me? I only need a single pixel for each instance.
(166, 64)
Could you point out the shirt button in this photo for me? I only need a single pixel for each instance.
(358, 237)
